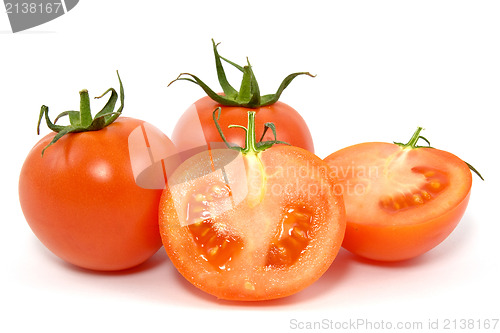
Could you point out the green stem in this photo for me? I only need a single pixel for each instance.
(413, 140)
(251, 144)
(412, 144)
(250, 140)
(82, 121)
(85, 114)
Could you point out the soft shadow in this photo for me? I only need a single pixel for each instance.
(159, 258)
(418, 261)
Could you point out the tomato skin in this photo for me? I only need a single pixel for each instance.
(384, 235)
(396, 243)
(80, 199)
(292, 127)
(245, 277)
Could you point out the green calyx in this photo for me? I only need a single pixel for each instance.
(251, 144)
(249, 94)
(412, 144)
(82, 121)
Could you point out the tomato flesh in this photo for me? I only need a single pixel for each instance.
(250, 232)
(413, 196)
(400, 203)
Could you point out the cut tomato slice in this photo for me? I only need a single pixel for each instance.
(255, 226)
(400, 201)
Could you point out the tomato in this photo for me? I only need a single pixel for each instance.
(81, 199)
(252, 225)
(401, 200)
(195, 129)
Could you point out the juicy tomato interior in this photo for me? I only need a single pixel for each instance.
(292, 237)
(252, 230)
(407, 196)
(216, 245)
(400, 203)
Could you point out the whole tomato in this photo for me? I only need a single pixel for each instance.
(195, 129)
(78, 191)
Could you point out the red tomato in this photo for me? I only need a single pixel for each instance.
(198, 123)
(90, 192)
(252, 225)
(401, 200)
(196, 129)
(82, 202)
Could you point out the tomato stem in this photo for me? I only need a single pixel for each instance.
(82, 121)
(412, 144)
(413, 140)
(251, 144)
(249, 93)
(85, 114)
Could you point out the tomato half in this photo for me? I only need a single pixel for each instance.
(400, 201)
(252, 227)
(81, 199)
(196, 127)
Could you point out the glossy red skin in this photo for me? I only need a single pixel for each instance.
(291, 126)
(80, 199)
(402, 242)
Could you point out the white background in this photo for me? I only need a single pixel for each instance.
(383, 68)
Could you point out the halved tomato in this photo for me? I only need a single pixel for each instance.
(401, 200)
(250, 224)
